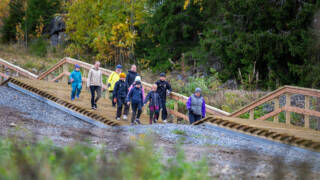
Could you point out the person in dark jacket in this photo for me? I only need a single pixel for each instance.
(154, 104)
(135, 98)
(120, 93)
(196, 106)
(164, 87)
(132, 74)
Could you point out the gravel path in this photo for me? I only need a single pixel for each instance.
(210, 135)
(38, 110)
(234, 152)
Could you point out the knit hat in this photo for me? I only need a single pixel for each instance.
(198, 90)
(119, 66)
(162, 74)
(122, 75)
(138, 82)
(76, 66)
(138, 78)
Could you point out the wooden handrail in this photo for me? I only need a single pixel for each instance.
(67, 60)
(18, 69)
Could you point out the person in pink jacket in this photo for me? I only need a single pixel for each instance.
(138, 78)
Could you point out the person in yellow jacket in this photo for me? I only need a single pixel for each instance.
(113, 78)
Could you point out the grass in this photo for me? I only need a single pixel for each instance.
(179, 132)
(33, 160)
(22, 57)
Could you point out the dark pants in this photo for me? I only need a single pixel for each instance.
(111, 98)
(164, 113)
(194, 117)
(135, 108)
(94, 89)
(154, 113)
(120, 103)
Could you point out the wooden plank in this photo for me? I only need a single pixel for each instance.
(176, 109)
(251, 114)
(307, 107)
(288, 104)
(53, 68)
(178, 114)
(65, 68)
(271, 114)
(259, 102)
(276, 108)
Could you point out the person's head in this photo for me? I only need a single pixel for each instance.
(154, 87)
(138, 78)
(197, 92)
(77, 67)
(118, 68)
(133, 68)
(122, 76)
(97, 64)
(162, 76)
(138, 84)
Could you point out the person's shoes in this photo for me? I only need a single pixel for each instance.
(118, 119)
(94, 108)
(72, 99)
(137, 121)
(77, 97)
(165, 121)
(132, 124)
(125, 117)
(154, 121)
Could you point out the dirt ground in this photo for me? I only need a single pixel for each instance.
(224, 163)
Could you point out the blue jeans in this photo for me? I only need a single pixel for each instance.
(76, 90)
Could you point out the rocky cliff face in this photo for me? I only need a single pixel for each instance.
(57, 31)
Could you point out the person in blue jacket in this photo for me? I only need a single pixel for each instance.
(76, 82)
(135, 98)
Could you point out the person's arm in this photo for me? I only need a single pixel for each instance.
(101, 81)
(71, 76)
(89, 78)
(127, 78)
(80, 78)
(147, 98)
(203, 108)
(129, 96)
(115, 90)
(169, 87)
(110, 79)
(189, 103)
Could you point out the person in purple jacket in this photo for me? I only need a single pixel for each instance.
(196, 106)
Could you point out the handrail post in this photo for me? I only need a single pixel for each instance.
(176, 108)
(251, 114)
(1, 71)
(306, 117)
(276, 107)
(65, 68)
(288, 104)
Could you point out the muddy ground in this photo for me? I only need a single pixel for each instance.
(224, 162)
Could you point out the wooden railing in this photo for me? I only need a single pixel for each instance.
(61, 70)
(288, 92)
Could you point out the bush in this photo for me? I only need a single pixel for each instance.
(39, 47)
(26, 160)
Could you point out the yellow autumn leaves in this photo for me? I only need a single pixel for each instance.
(106, 26)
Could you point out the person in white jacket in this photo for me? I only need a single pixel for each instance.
(94, 82)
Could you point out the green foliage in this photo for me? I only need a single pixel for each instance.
(39, 47)
(16, 14)
(179, 132)
(274, 34)
(26, 160)
(170, 32)
(37, 10)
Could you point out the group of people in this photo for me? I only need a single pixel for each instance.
(127, 90)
